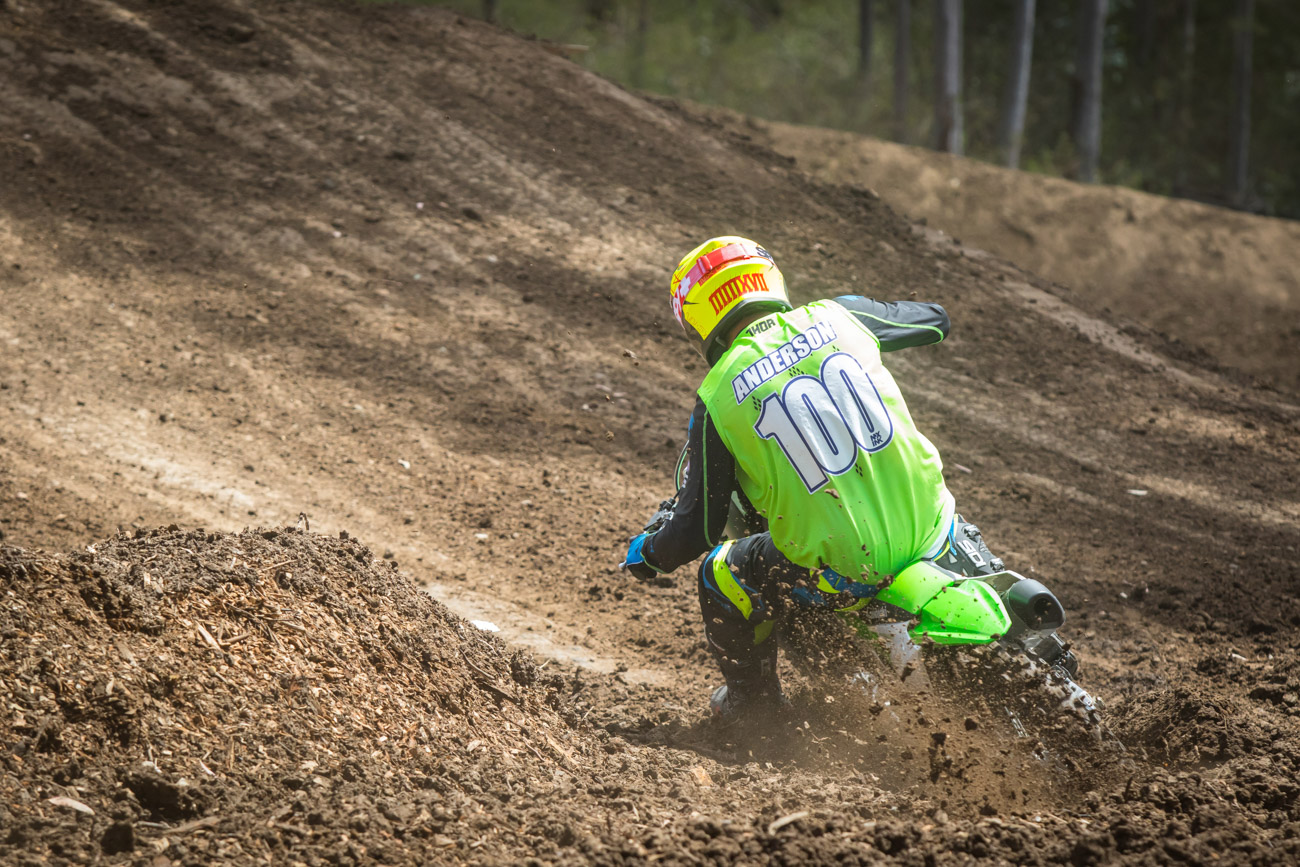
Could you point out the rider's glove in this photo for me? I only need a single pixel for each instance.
(635, 560)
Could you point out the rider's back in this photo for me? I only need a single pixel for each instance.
(824, 444)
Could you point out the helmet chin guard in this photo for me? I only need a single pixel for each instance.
(720, 282)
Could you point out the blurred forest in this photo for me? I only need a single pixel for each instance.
(1192, 98)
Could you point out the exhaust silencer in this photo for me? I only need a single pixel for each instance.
(1036, 607)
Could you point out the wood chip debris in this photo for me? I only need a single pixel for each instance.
(701, 776)
(207, 636)
(71, 803)
(187, 827)
(789, 819)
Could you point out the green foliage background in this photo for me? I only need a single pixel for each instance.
(796, 61)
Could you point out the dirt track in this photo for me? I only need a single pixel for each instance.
(405, 273)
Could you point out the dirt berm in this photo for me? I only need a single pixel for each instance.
(404, 274)
(1223, 282)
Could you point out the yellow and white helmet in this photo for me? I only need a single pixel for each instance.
(718, 280)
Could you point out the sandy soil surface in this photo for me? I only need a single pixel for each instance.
(1221, 282)
(404, 274)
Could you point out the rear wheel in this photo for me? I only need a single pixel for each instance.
(1035, 699)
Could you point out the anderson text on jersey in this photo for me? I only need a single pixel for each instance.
(785, 356)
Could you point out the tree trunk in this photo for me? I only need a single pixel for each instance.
(865, 27)
(1145, 12)
(599, 11)
(1185, 97)
(947, 102)
(902, 66)
(1086, 125)
(1243, 43)
(490, 11)
(1013, 112)
(638, 43)
(762, 13)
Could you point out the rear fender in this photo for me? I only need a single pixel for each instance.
(949, 609)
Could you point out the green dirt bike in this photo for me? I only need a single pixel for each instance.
(962, 620)
(1013, 618)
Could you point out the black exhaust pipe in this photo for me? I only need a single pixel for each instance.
(1034, 606)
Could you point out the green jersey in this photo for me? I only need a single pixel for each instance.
(824, 445)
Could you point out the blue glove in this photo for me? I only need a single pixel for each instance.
(635, 560)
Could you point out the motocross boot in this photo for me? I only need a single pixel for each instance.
(736, 701)
(751, 687)
(967, 554)
(732, 703)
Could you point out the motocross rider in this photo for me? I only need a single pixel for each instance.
(800, 422)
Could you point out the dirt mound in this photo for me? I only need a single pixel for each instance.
(1220, 281)
(404, 273)
(266, 686)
